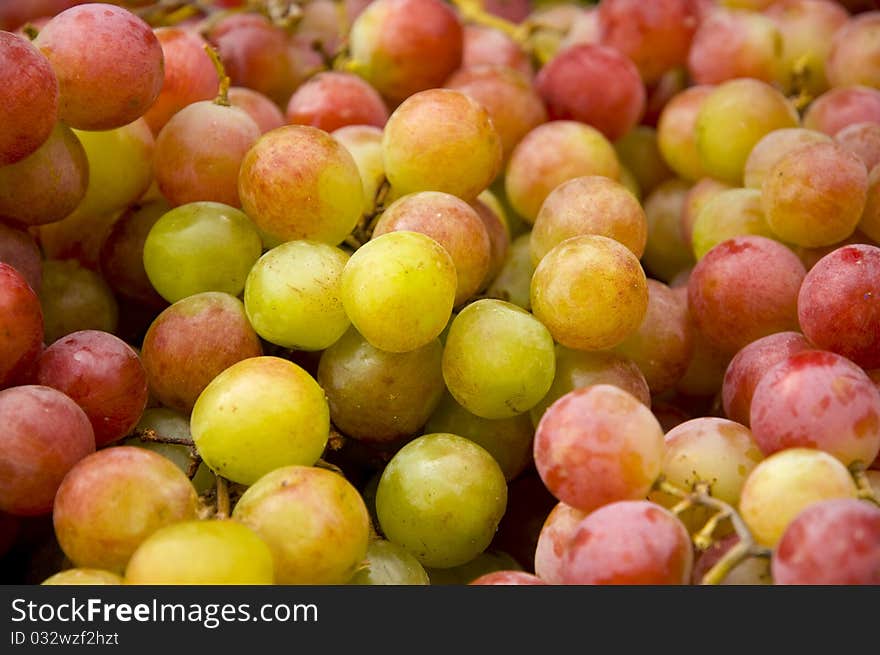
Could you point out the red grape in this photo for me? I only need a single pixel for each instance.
(842, 107)
(21, 252)
(508, 578)
(485, 46)
(259, 107)
(21, 324)
(335, 99)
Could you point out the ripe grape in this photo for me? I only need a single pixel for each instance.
(298, 182)
(333, 99)
(508, 578)
(772, 148)
(259, 107)
(835, 542)
(364, 143)
(486, 46)
(748, 367)
(666, 253)
(430, 479)
(258, 415)
(676, 137)
(869, 224)
(376, 395)
(75, 298)
(551, 154)
(590, 292)
(837, 304)
(313, 520)
(731, 213)
(598, 445)
(863, 140)
(639, 152)
(697, 197)
(441, 140)
(193, 341)
(19, 250)
(389, 564)
(398, 290)
(44, 435)
(854, 55)
(292, 295)
(495, 220)
(787, 482)
(513, 281)
(498, 360)
(103, 375)
(108, 62)
(743, 289)
(21, 323)
(83, 577)
(111, 501)
(216, 552)
(705, 373)
(629, 543)
(841, 107)
(554, 540)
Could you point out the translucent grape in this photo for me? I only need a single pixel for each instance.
(389, 564)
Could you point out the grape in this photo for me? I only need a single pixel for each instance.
(189, 76)
(198, 247)
(743, 289)
(398, 290)
(513, 281)
(44, 435)
(593, 84)
(331, 100)
(218, 552)
(815, 195)
(551, 154)
(199, 153)
(732, 44)
(489, 561)
(193, 341)
(111, 501)
(122, 253)
(666, 253)
(498, 360)
(48, 184)
(430, 479)
(662, 346)
(656, 36)
(441, 140)
(787, 482)
(108, 62)
(376, 395)
(259, 107)
(576, 369)
(508, 578)
(735, 116)
(676, 137)
(854, 55)
(30, 98)
(598, 445)
(19, 250)
(549, 24)
(863, 140)
(169, 423)
(705, 373)
(589, 205)
(869, 223)
(845, 416)
(83, 577)
(494, 219)
(629, 543)
(21, 323)
(729, 214)
(402, 47)
(292, 295)
(835, 542)
(103, 375)
(508, 440)
(772, 148)
(313, 520)
(841, 107)
(74, 298)
(389, 564)
(486, 46)
(639, 152)
(298, 182)
(258, 415)
(364, 143)
(748, 367)
(837, 304)
(751, 571)
(583, 28)
(590, 292)
(554, 541)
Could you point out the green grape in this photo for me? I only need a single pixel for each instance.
(729, 214)
(487, 562)
(215, 552)
(441, 497)
(201, 246)
(258, 415)
(498, 361)
(639, 152)
(83, 577)
(74, 298)
(168, 423)
(515, 277)
(376, 395)
(508, 440)
(591, 292)
(666, 253)
(389, 564)
(364, 143)
(292, 295)
(315, 523)
(398, 290)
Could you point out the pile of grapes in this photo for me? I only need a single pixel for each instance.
(422, 292)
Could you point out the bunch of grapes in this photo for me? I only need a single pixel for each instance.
(419, 292)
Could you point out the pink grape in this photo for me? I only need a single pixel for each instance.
(863, 140)
(507, 578)
(675, 132)
(855, 54)
(21, 323)
(331, 100)
(486, 46)
(554, 541)
(259, 107)
(841, 107)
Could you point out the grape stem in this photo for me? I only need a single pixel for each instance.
(222, 98)
(700, 496)
(30, 31)
(222, 498)
(473, 11)
(148, 434)
(866, 491)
